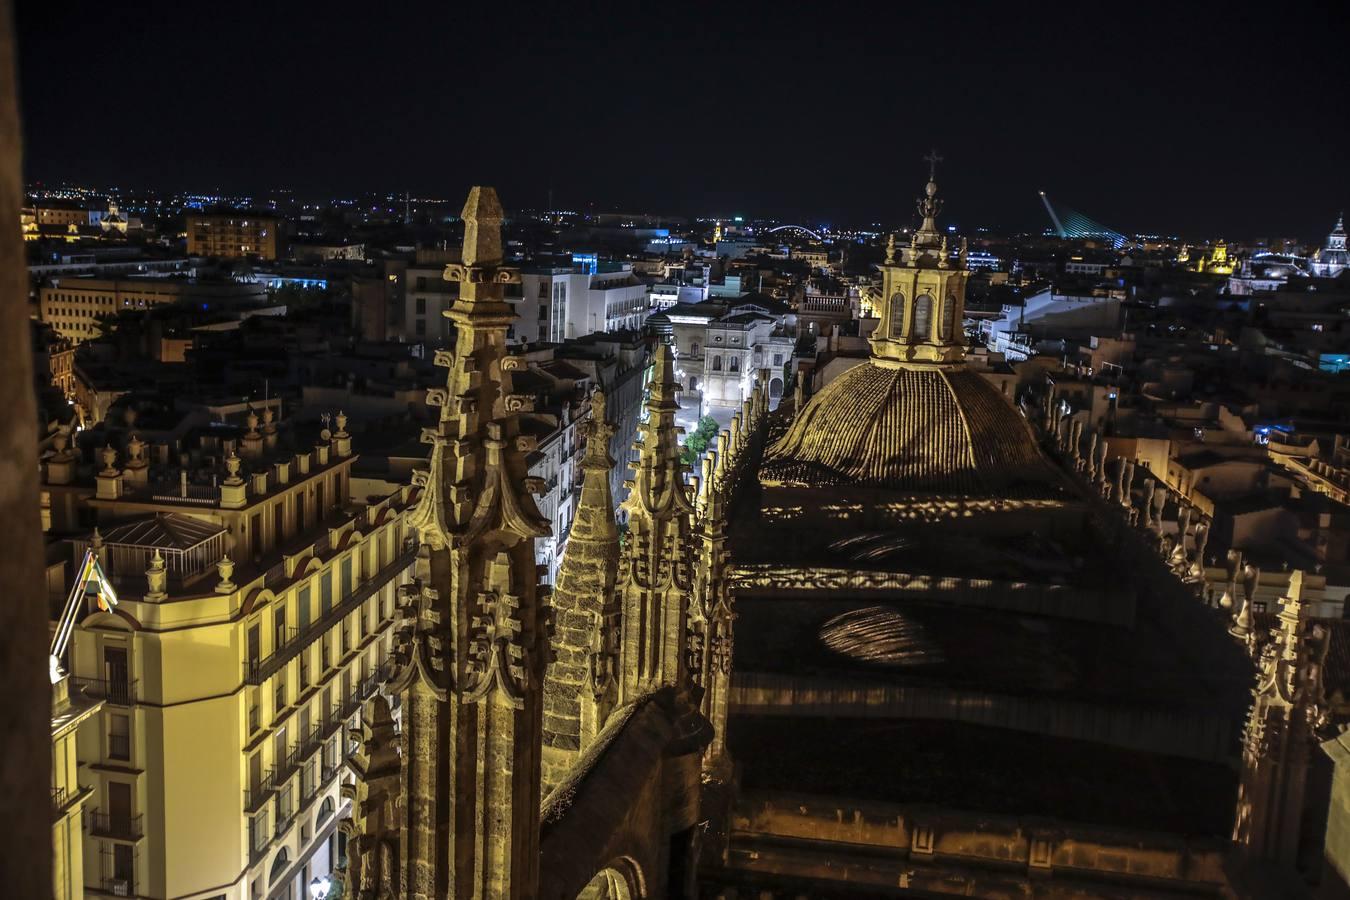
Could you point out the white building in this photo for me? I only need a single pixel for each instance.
(1049, 314)
(1333, 258)
(736, 347)
(563, 302)
(426, 297)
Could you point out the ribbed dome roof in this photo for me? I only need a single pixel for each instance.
(934, 431)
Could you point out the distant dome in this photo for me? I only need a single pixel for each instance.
(659, 324)
(942, 430)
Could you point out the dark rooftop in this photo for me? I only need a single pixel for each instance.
(983, 769)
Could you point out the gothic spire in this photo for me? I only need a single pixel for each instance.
(656, 568)
(579, 687)
(471, 654)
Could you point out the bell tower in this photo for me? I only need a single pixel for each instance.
(923, 294)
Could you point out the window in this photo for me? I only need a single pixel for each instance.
(346, 578)
(717, 363)
(325, 592)
(778, 359)
(735, 364)
(923, 317)
(279, 637)
(949, 317)
(897, 315)
(420, 327)
(278, 870)
(119, 736)
(421, 304)
(303, 602)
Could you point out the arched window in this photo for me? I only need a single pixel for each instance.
(949, 317)
(693, 349)
(717, 364)
(923, 316)
(278, 870)
(897, 315)
(325, 811)
(734, 363)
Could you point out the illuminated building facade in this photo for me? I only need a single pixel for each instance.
(255, 598)
(1333, 258)
(233, 235)
(73, 306)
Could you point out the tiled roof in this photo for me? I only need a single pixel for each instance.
(944, 431)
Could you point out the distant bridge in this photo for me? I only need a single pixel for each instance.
(1070, 223)
(801, 228)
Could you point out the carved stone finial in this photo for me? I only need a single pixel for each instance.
(109, 460)
(482, 217)
(225, 568)
(156, 578)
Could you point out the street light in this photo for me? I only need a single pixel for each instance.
(319, 887)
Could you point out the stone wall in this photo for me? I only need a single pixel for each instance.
(800, 837)
(1194, 735)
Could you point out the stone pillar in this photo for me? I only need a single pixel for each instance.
(25, 717)
(61, 464)
(342, 441)
(233, 490)
(108, 482)
(251, 444)
(137, 469)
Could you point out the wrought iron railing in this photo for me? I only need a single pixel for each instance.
(116, 691)
(258, 670)
(122, 826)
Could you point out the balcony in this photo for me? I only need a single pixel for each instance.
(61, 798)
(256, 671)
(122, 827)
(117, 692)
(256, 796)
(118, 887)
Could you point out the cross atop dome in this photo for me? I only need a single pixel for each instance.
(932, 159)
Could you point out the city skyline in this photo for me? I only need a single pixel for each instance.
(723, 112)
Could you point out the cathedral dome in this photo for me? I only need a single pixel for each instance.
(931, 430)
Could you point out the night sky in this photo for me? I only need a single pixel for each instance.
(1155, 119)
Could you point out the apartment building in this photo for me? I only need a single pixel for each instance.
(558, 303)
(252, 617)
(233, 235)
(73, 306)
